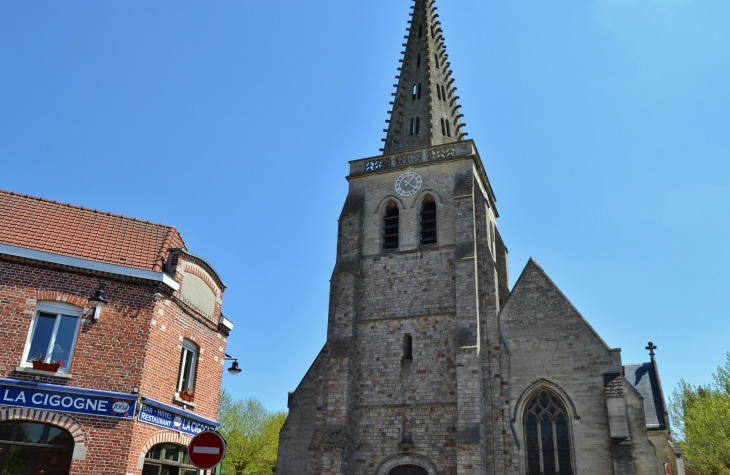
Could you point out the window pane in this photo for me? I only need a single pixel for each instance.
(150, 469)
(31, 432)
(187, 380)
(17, 459)
(172, 453)
(561, 430)
(184, 458)
(548, 449)
(155, 452)
(64, 339)
(533, 447)
(58, 436)
(41, 336)
(6, 428)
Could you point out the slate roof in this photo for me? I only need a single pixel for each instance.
(644, 379)
(50, 226)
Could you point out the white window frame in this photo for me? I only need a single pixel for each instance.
(58, 309)
(188, 348)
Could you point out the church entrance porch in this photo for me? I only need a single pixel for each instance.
(30, 448)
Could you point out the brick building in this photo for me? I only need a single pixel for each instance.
(432, 364)
(106, 321)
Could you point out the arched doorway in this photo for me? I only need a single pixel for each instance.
(30, 448)
(168, 459)
(408, 470)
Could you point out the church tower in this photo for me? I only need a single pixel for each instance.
(413, 376)
(432, 364)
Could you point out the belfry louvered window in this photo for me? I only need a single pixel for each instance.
(428, 221)
(547, 437)
(390, 226)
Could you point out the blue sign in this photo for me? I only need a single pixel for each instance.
(52, 397)
(173, 418)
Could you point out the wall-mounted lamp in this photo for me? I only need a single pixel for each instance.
(98, 301)
(234, 369)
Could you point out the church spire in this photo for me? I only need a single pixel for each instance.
(425, 111)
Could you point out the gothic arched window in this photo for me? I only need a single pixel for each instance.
(547, 437)
(428, 221)
(390, 226)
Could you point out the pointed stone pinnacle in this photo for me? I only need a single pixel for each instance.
(425, 101)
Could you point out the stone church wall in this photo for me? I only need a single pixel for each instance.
(642, 449)
(548, 339)
(379, 434)
(298, 430)
(378, 189)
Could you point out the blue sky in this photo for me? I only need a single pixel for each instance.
(603, 126)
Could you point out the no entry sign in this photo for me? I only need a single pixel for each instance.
(207, 449)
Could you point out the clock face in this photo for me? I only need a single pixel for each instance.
(408, 184)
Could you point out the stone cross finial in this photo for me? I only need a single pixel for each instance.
(651, 349)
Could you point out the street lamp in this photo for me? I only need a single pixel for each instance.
(234, 369)
(98, 301)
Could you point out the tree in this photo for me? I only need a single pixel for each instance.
(701, 417)
(252, 434)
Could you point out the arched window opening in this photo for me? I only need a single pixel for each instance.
(390, 226)
(448, 128)
(408, 470)
(547, 437)
(415, 91)
(163, 459)
(420, 31)
(413, 125)
(443, 92)
(34, 447)
(418, 61)
(443, 127)
(408, 347)
(436, 57)
(418, 125)
(419, 90)
(428, 221)
(438, 91)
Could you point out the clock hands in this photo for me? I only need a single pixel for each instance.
(404, 184)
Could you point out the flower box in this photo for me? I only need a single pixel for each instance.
(185, 396)
(43, 366)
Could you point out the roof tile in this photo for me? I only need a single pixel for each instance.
(50, 226)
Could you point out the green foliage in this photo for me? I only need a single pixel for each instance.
(701, 417)
(252, 433)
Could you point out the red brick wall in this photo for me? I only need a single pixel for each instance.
(136, 343)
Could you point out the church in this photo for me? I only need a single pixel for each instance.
(432, 363)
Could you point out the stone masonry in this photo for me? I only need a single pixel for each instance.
(431, 361)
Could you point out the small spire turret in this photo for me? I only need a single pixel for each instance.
(424, 110)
